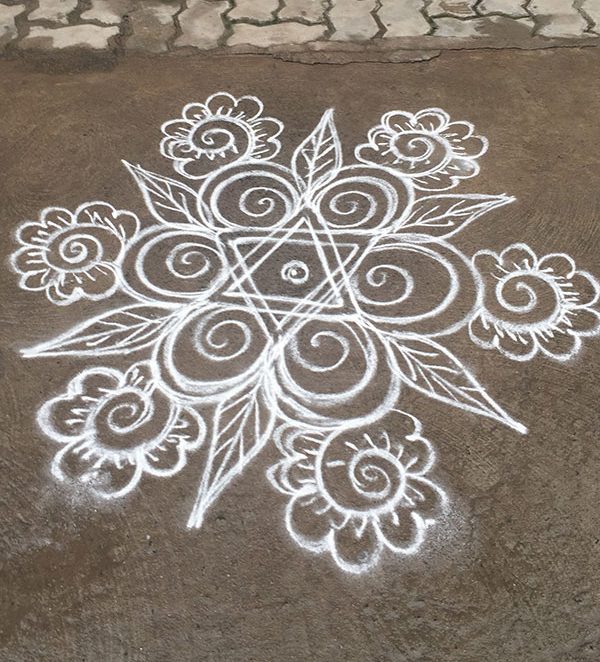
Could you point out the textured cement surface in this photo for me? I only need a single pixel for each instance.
(308, 26)
(511, 574)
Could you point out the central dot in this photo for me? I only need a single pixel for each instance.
(295, 272)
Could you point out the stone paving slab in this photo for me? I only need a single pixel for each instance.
(160, 26)
(510, 573)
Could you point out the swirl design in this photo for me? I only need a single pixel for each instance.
(368, 480)
(212, 351)
(416, 287)
(331, 371)
(222, 137)
(363, 197)
(525, 299)
(251, 195)
(129, 418)
(174, 265)
(420, 153)
(76, 249)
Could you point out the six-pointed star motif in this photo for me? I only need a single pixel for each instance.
(297, 270)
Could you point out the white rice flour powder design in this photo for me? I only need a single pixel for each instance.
(291, 304)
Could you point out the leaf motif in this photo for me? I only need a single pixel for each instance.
(242, 426)
(441, 216)
(168, 200)
(431, 369)
(119, 331)
(317, 159)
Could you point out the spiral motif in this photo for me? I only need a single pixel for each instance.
(418, 153)
(174, 265)
(333, 371)
(253, 194)
(78, 249)
(129, 418)
(358, 477)
(363, 197)
(223, 138)
(211, 351)
(416, 287)
(525, 299)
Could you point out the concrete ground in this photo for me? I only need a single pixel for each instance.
(510, 572)
(312, 28)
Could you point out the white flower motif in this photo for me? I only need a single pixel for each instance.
(74, 255)
(534, 305)
(219, 131)
(426, 146)
(115, 427)
(358, 491)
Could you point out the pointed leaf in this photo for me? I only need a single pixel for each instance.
(317, 160)
(168, 200)
(119, 331)
(242, 426)
(431, 369)
(441, 216)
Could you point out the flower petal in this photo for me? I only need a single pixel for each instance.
(397, 121)
(292, 476)
(425, 497)
(111, 480)
(176, 149)
(432, 119)
(248, 108)
(518, 256)
(586, 287)
(456, 132)
(440, 180)
(356, 546)
(584, 321)
(464, 144)
(390, 434)
(122, 223)
(520, 347)
(557, 264)
(305, 443)
(369, 154)
(179, 129)
(559, 345)
(189, 430)
(36, 280)
(169, 456)
(165, 459)
(418, 455)
(55, 219)
(64, 419)
(99, 281)
(461, 168)
(140, 376)
(482, 332)
(107, 479)
(73, 461)
(266, 128)
(309, 519)
(95, 383)
(194, 112)
(221, 104)
(29, 259)
(487, 263)
(401, 531)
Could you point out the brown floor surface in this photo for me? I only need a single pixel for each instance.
(511, 574)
